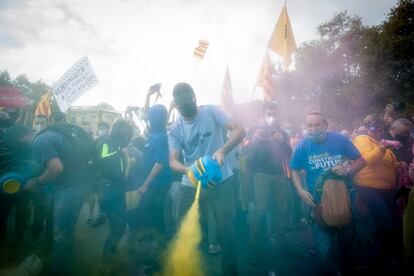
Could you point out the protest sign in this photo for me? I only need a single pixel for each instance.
(76, 81)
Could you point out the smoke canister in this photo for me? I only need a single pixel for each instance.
(11, 183)
(206, 171)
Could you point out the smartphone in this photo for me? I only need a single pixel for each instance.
(156, 87)
(391, 143)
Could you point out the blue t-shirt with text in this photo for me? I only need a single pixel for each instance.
(316, 158)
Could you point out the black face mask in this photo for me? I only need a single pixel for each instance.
(188, 110)
(403, 139)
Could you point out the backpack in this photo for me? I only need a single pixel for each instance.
(333, 197)
(81, 143)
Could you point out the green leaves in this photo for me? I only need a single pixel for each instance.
(352, 69)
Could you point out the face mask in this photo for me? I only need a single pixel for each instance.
(102, 132)
(269, 120)
(38, 128)
(403, 139)
(188, 110)
(304, 132)
(317, 136)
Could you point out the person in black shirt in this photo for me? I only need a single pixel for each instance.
(267, 152)
(113, 165)
(400, 130)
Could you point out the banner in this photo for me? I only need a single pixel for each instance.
(227, 92)
(76, 81)
(266, 80)
(201, 49)
(282, 41)
(12, 97)
(44, 106)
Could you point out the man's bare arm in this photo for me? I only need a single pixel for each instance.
(175, 164)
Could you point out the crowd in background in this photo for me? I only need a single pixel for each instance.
(273, 177)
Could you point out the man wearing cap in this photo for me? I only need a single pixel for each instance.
(199, 132)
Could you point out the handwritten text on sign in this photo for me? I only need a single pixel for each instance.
(78, 79)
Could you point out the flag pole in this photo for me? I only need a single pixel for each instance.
(254, 89)
(195, 70)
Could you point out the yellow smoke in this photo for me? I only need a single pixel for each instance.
(183, 257)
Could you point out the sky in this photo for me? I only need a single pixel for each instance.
(135, 43)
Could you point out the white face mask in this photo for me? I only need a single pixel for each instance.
(101, 132)
(304, 132)
(269, 120)
(38, 128)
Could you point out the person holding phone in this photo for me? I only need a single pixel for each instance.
(375, 183)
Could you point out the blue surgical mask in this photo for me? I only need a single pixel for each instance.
(317, 136)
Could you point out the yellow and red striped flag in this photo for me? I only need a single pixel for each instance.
(266, 80)
(201, 49)
(227, 92)
(282, 41)
(44, 105)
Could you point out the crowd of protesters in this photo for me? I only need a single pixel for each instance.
(276, 178)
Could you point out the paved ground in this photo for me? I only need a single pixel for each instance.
(292, 259)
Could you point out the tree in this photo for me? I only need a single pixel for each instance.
(353, 70)
(33, 90)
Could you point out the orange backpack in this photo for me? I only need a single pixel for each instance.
(333, 196)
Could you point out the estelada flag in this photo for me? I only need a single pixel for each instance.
(227, 92)
(282, 41)
(44, 105)
(265, 78)
(201, 49)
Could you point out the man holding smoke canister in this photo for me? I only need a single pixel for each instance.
(198, 132)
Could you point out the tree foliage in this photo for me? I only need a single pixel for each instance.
(352, 69)
(33, 90)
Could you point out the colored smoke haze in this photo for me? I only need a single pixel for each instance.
(183, 258)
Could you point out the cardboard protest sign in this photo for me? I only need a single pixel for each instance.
(76, 81)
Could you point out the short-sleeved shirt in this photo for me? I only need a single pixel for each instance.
(316, 158)
(50, 145)
(203, 136)
(156, 151)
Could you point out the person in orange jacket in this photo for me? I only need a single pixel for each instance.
(375, 184)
